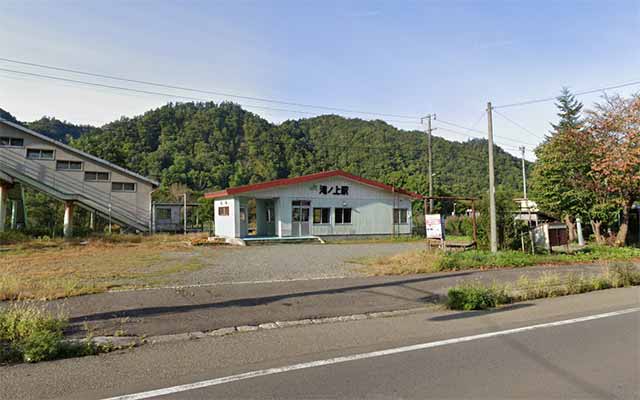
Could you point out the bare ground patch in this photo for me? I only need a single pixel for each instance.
(55, 269)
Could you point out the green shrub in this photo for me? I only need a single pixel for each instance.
(30, 334)
(13, 237)
(459, 226)
(624, 275)
(18, 322)
(474, 296)
(41, 345)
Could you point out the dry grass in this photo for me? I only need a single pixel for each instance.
(411, 262)
(55, 269)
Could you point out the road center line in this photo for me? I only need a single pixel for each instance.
(362, 356)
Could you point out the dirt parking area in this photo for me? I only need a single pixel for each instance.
(50, 269)
(287, 261)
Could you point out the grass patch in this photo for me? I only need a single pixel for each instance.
(411, 262)
(30, 334)
(458, 239)
(484, 259)
(50, 269)
(476, 296)
(373, 240)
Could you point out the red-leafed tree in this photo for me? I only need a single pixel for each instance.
(613, 130)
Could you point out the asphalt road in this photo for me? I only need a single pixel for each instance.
(170, 311)
(597, 358)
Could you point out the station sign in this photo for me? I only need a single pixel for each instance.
(434, 226)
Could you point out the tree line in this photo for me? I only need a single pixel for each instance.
(208, 146)
(589, 165)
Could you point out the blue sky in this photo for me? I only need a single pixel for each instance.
(396, 57)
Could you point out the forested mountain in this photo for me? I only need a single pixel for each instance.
(209, 146)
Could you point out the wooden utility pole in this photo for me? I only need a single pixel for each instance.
(492, 185)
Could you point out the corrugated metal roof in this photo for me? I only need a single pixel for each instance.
(307, 178)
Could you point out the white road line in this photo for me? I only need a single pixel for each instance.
(362, 356)
(200, 285)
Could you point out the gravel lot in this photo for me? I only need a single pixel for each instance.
(287, 261)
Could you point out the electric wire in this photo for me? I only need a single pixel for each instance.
(484, 134)
(211, 92)
(518, 125)
(581, 93)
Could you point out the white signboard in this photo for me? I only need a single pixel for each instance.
(434, 226)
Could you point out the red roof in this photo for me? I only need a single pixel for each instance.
(306, 178)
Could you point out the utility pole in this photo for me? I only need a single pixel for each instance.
(429, 157)
(526, 200)
(492, 185)
(524, 174)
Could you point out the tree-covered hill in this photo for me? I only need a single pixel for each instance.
(209, 146)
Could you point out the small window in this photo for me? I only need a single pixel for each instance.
(223, 211)
(96, 176)
(11, 141)
(321, 215)
(343, 215)
(123, 187)
(399, 215)
(270, 215)
(39, 154)
(163, 213)
(69, 165)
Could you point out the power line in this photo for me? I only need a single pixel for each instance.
(478, 137)
(482, 114)
(191, 98)
(171, 95)
(211, 92)
(518, 125)
(483, 133)
(545, 99)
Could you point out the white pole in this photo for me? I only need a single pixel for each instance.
(185, 212)
(492, 185)
(579, 227)
(68, 219)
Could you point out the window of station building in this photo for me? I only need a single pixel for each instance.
(399, 215)
(39, 154)
(11, 142)
(321, 215)
(96, 176)
(223, 211)
(68, 165)
(343, 215)
(163, 213)
(270, 215)
(123, 187)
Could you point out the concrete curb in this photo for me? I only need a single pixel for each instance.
(134, 341)
(284, 324)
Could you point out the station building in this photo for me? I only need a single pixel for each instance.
(324, 204)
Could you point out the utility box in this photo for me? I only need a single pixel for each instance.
(549, 235)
